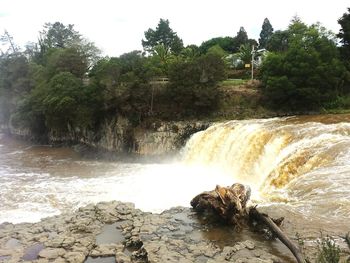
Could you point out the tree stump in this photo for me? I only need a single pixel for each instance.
(230, 204)
(227, 202)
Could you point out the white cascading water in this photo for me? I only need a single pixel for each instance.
(304, 164)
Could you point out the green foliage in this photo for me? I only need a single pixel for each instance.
(66, 60)
(241, 37)
(106, 73)
(226, 43)
(15, 82)
(307, 75)
(265, 34)
(193, 84)
(161, 59)
(190, 52)
(278, 41)
(245, 53)
(217, 50)
(133, 67)
(328, 251)
(64, 102)
(14, 74)
(123, 83)
(162, 35)
(61, 82)
(59, 105)
(57, 35)
(60, 36)
(344, 35)
(134, 102)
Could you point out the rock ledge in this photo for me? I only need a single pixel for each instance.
(176, 235)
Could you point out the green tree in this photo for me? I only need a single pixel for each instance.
(190, 52)
(15, 82)
(162, 57)
(241, 38)
(133, 67)
(162, 35)
(193, 84)
(57, 35)
(306, 76)
(66, 60)
(245, 53)
(266, 33)
(106, 77)
(62, 100)
(226, 43)
(344, 35)
(106, 73)
(60, 36)
(65, 103)
(123, 83)
(217, 50)
(278, 41)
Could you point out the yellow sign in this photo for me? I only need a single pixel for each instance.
(247, 65)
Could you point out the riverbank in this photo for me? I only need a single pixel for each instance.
(117, 232)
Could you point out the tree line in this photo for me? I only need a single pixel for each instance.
(62, 82)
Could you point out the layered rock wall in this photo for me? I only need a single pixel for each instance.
(118, 135)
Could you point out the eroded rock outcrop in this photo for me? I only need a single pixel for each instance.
(176, 235)
(118, 135)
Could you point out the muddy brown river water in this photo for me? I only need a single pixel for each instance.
(297, 167)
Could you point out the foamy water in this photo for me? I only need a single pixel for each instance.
(300, 164)
(53, 184)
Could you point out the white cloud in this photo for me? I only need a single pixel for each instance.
(117, 26)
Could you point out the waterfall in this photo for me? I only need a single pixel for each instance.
(272, 153)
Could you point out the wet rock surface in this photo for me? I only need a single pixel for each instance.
(176, 235)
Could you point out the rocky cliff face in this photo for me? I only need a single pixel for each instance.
(165, 137)
(118, 135)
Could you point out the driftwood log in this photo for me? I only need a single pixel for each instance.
(230, 204)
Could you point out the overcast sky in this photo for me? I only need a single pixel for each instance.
(117, 26)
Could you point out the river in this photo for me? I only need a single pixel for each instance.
(298, 167)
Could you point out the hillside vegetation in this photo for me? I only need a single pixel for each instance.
(62, 83)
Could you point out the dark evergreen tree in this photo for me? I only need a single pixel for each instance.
(266, 33)
(344, 35)
(241, 37)
(60, 36)
(162, 35)
(278, 41)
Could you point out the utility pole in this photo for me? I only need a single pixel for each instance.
(253, 53)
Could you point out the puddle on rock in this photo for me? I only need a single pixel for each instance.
(200, 227)
(32, 252)
(110, 234)
(100, 260)
(4, 258)
(12, 243)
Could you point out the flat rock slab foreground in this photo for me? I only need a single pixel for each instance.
(117, 232)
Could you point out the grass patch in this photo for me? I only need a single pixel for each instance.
(233, 82)
(328, 251)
